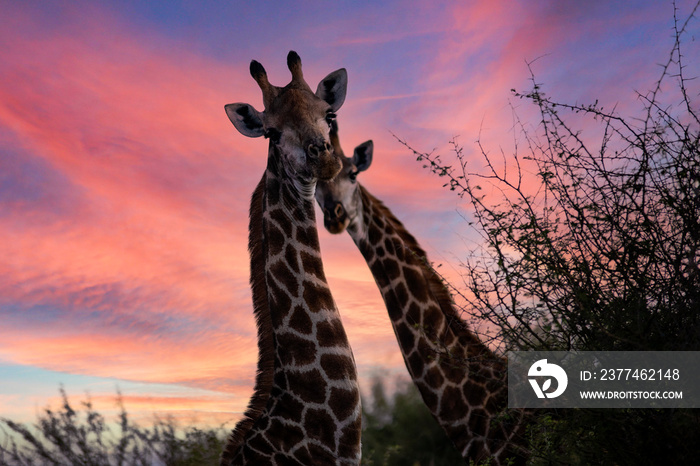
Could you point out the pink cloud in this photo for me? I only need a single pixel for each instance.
(199, 360)
(158, 224)
(142, 273)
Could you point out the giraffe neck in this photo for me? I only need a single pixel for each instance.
(306, 405)
(461, 381)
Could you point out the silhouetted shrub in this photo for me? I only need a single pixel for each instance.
(593, 244)
(83, 437)
(401, 431)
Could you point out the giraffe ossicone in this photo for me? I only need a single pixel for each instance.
(305, 409)
(460, 379)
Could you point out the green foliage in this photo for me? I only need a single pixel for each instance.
(615, 437)
(401, 431)
(83, 438)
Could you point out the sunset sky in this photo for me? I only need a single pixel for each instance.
(124, 188)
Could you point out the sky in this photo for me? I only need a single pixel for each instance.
(124, 188)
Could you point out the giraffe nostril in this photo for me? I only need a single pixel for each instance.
(316, 150)
(312, 150)
(338, 211)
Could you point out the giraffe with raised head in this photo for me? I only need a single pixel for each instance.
(460, 379)
(306, 405)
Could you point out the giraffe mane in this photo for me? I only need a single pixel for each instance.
(263, 319)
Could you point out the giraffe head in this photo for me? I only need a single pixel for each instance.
(339, 198)
(295, 120)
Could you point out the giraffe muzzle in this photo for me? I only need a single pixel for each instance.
(322, 156)
(335, 218)
(316, 151)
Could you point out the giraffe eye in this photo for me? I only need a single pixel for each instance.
(353, 175)
(330, 117)
(273, 135)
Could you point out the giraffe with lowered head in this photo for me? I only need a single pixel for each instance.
(305, 409)
(460, 379)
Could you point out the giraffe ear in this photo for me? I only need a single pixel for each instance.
(362, 157)
(333, 88)
(246, 119)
